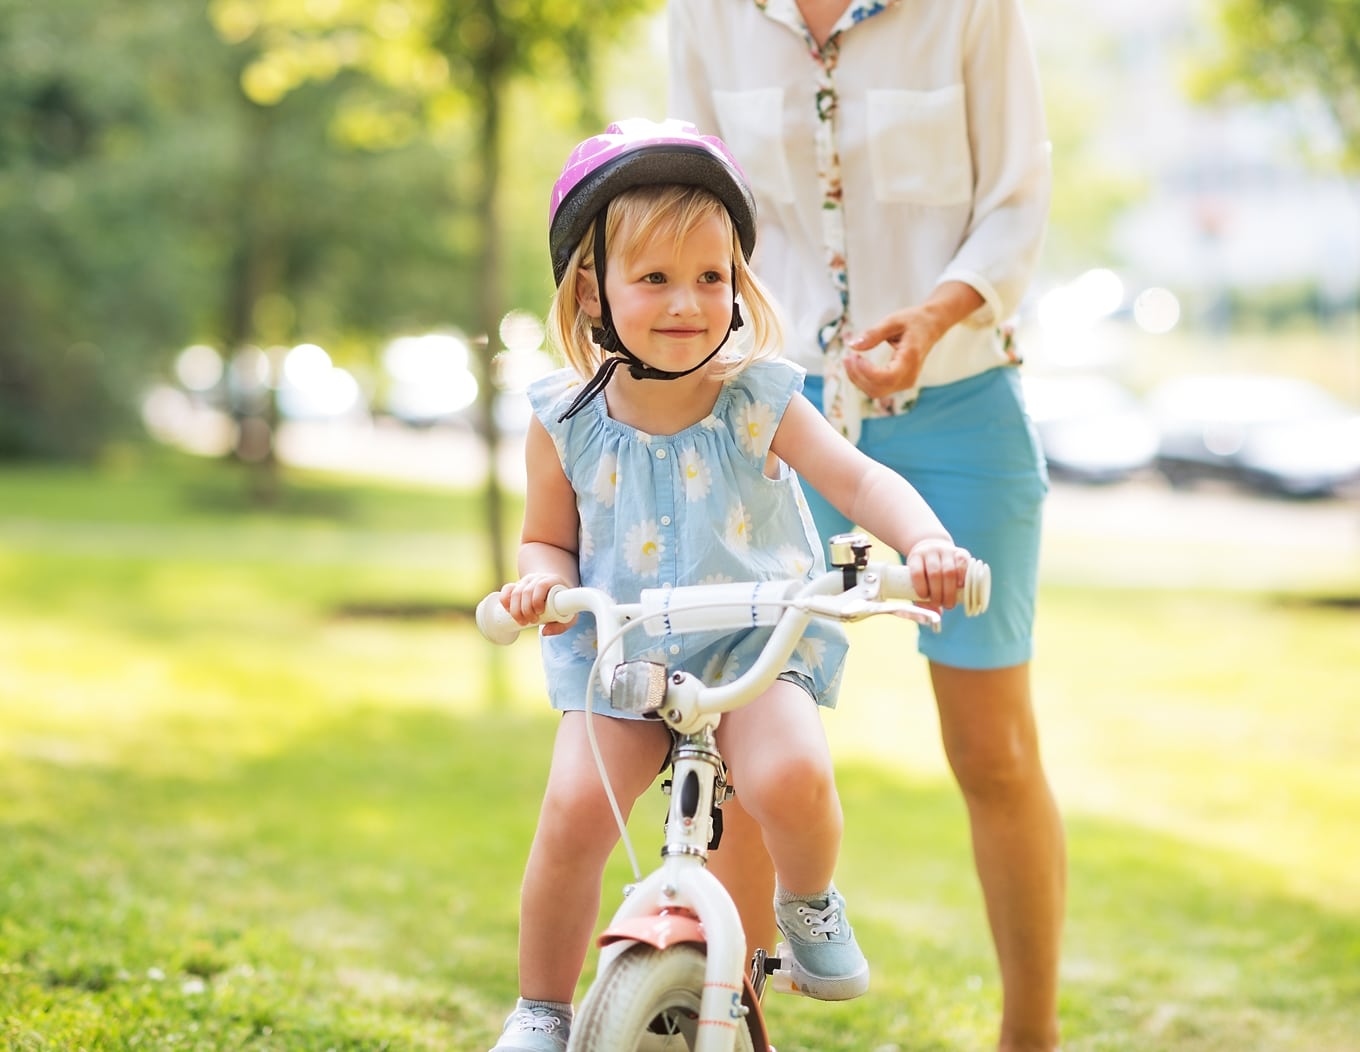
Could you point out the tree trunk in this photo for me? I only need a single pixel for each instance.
(492, 75)
(247, 279)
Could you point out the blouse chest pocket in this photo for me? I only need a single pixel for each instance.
(752, 124)
(918, 146)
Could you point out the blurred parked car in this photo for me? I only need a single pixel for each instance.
(1279, 434)
(1091, 428)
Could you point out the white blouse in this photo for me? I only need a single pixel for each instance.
(909, 150)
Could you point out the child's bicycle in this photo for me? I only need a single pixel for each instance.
(672, 973)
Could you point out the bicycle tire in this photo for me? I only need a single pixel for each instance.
(646, 1000)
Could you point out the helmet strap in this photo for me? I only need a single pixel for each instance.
(607, 338)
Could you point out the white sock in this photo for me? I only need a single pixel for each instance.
(562, 1008)
(783, 895)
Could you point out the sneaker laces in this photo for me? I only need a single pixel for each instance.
(537, 1020)
(825, 921)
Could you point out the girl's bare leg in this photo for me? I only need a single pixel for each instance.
(988, 727)
(560, 898)
(781, 766)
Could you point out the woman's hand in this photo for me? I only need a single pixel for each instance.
(527, 599)
(938, 570)
(911, 333)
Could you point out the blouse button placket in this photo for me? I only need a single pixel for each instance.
(664, 496)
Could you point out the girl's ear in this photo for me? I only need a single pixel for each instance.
(588, 292)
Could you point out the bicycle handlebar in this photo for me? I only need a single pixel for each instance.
(727, 606)
(786, 604)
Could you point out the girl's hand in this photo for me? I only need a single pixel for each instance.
(938, 569)
(527, 599)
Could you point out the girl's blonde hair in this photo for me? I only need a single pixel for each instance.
(635, 218)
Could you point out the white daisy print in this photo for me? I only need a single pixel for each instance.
(586, 645)
(657, 656)
(738, 528)
(606, 479)
(755, 427)
(586, 550)
(642, 549)
(713, 669)
(795, 562)
(812, 650)
(697, 475)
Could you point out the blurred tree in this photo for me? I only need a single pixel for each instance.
(93, 193)
(489, 43)
(247, 173)
(1284, 49)
(148, 201)
(456, 62)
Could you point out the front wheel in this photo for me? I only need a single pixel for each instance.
(646, 1000)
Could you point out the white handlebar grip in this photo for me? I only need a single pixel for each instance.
(496, 624)
(494, 621)
(552, 606)
(973, 597)
(977, 587)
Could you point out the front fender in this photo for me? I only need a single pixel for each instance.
(656, 929)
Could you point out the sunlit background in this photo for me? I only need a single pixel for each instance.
(273, 276)
(1205, 225)
(313, 233)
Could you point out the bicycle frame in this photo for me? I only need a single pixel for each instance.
(681, 902)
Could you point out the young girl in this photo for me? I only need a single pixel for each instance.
(669, 454)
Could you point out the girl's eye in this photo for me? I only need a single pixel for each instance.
(654, 278)
(712, 277)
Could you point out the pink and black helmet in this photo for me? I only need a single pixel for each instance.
(640, 152)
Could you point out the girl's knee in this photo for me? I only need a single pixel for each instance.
(574, 823)
(799, 786)
(579, 801)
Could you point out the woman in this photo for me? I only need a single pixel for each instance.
(899, 158)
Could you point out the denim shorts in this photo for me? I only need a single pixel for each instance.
(971, 451)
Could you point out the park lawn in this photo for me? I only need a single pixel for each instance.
(262, 786)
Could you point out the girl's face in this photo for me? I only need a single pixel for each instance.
(672, 304)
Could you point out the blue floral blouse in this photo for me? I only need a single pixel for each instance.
(695, 507)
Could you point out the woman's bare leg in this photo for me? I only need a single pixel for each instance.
(743, 864)
(990, 737)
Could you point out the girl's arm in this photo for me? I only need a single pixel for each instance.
(550, 537)
(873, 497)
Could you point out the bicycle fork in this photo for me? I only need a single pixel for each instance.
(682, 902)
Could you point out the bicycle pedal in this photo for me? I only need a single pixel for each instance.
(781, 977)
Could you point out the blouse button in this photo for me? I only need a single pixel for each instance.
(660, 454)
(665, 520)
(675, 649)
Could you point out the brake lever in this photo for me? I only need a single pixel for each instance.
(851, 607)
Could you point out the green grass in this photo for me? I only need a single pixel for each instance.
(243, 808)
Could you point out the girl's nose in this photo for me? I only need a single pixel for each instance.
(683, 300)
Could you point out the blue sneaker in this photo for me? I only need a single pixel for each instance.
(535, 1027)
(819, 957)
